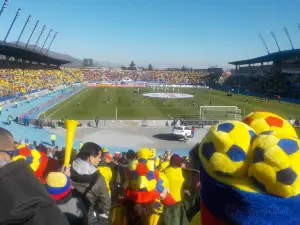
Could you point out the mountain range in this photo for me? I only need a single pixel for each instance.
(75, 62)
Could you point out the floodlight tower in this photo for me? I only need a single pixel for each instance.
(27, 21)
(263, 41)
(288, 35)
(37, 22)
(5, 4)
(39, 37)
(14, 20)
(51, 42)
(273, 35)
(46, 40)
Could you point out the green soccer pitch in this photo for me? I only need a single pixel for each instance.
(94, 103)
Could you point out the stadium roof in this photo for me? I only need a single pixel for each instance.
(272, 57)
(27, 54)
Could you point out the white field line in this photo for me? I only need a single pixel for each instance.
(153, 107)
(66, 102)
(38, 115)
(169, 115)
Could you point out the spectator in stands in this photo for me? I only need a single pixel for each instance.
(24, 199)
(53, 139)
(9, 119)
(106, 169)
(59, 187)
(176, 180)
(89, 183)
(130, 155)
(142, 193)
(121, 172)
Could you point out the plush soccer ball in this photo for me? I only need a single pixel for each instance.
(264, 121)
(225, 148)
(275, 166)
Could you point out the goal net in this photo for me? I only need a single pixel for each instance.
(220, 113)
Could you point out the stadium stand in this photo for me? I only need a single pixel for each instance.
(276, 79)
(167, 77)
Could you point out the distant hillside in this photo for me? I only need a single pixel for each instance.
(75, 62)
(107, 64)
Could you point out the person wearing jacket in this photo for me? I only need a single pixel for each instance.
(105, 169)
(24, 200)
(58, 185)
(89, 183)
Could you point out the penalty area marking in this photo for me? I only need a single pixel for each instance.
(167, 95)
(63, 105)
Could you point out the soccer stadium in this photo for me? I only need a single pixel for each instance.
(93, 145)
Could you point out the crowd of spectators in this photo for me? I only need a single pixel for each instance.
(269, 84)
(14, 81)
(169, 77)
(94, 187)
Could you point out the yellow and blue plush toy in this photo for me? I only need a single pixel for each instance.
(265, 121)
(225, 148)
(258, 182)
(275, 163)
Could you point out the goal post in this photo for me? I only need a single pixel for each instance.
(220, 113)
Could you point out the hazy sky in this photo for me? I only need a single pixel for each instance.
(197, 33)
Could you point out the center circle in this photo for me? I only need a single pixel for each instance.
(167, 95)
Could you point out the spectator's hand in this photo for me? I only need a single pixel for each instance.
(163, 195)
(187, 192)
(5, 156)
(66, 170)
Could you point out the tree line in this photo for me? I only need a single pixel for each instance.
(132, 66)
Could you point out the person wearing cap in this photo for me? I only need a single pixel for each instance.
(89, 183)
(106, 170)
(176, 180)
(121, 174)
(144, 188)
(58, 186)
(130, 155)
(117, 156)
(24, 199)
